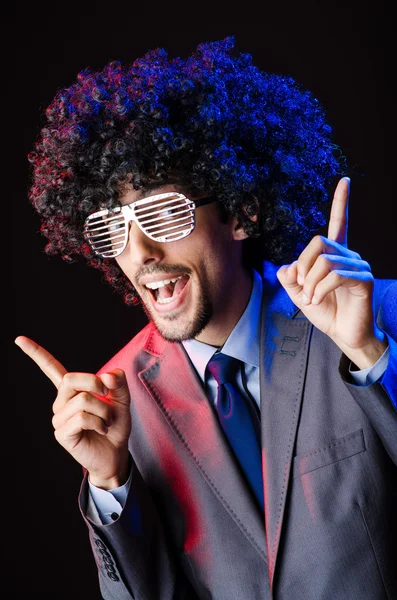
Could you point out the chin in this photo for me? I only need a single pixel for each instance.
(176, 332)
(178, 329)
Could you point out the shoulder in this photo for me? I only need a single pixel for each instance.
(129, 353)
(384, 288)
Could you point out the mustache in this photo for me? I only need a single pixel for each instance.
(162, 268)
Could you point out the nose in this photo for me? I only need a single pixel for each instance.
(140, 249)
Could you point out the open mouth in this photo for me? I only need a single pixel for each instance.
(166, 291)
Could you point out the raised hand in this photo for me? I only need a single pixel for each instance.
(333, 287)
(92, 418)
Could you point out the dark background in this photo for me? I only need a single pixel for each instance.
(343, 54)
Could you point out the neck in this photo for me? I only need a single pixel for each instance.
(229, 312)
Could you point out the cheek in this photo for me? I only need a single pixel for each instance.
(128, 268)
(122, 263)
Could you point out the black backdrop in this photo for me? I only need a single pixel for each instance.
(343, 54)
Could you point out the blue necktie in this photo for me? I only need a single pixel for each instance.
(237, 420)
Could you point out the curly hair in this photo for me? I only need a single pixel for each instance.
(256, 141)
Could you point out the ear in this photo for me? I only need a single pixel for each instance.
(238, 232)
(251, 212)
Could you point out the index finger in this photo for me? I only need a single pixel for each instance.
(338, 220)
(54, 370)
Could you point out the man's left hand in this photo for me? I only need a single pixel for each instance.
(333, 287)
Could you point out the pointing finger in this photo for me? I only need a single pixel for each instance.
(54, 370)
(338, 221)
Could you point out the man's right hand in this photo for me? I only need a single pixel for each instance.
(92, 418)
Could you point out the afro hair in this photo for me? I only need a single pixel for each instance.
(256, 141)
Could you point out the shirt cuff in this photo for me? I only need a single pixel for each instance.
(105, 506)
(371, 374)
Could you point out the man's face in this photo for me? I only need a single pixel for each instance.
(195, 287)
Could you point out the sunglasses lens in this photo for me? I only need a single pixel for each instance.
(166, 218)
(163, 218)
(106, 232)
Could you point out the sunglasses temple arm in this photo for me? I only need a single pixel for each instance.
(205, 201)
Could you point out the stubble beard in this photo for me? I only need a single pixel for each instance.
(178, 332)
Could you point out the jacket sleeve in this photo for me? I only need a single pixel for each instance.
(133, 555)
(379, 400)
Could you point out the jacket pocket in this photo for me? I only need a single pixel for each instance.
(338, 449)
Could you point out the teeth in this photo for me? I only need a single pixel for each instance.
(159, 284)
(165, 300)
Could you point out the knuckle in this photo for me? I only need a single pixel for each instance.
(336, 276)
(81, 417)
(324, 260)
(83, 398)
(67, 379)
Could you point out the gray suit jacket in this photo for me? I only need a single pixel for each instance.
(190, 527)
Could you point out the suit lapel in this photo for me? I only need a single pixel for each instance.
(285, 334)
(174, 385)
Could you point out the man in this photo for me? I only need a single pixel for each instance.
(186, 182)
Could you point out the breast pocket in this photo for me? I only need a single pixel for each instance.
(337, 450)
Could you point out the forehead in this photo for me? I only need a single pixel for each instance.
(131, 195)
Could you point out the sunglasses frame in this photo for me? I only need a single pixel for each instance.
(129, 216)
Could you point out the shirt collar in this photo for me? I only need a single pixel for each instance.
(243, 341)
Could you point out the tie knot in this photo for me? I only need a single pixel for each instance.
(223, 367)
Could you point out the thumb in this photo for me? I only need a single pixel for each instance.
(116, 382)
(287, 276)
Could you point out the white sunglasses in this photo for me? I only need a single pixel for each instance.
(164, 217)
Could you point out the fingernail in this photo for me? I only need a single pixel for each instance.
(300, 279)
(305, 299)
